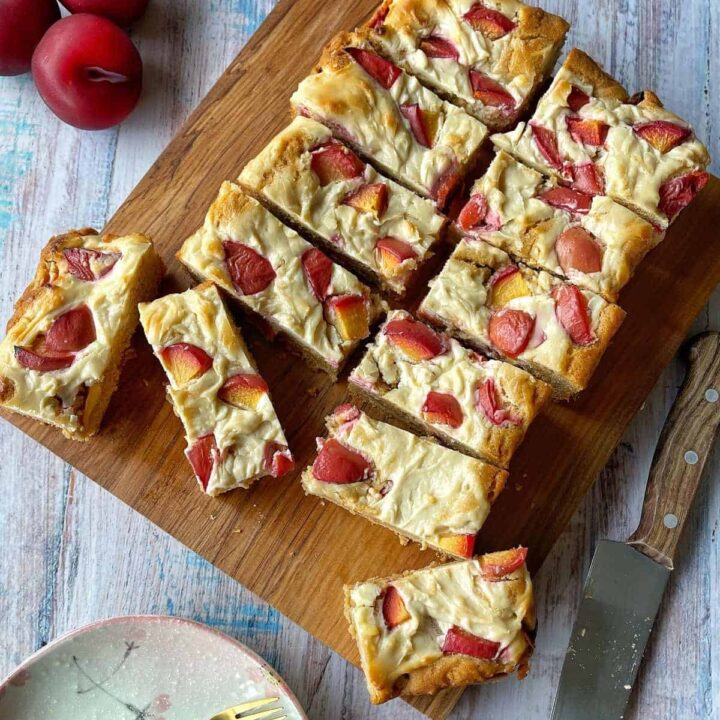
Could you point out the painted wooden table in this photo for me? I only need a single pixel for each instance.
(71, 553)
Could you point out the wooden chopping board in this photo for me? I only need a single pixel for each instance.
(291, 550)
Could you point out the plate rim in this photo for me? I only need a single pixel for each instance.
(149, 618)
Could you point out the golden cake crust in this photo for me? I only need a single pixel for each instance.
(604, 85)
(458, 670)
(584, 360)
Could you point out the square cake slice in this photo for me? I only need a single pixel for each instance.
(388, 117)
(408, 484)
(444, 626)
(589, 134)
(489, 57)
(430, 383)
(281, 280)
(593, 241)
(232, 432)
(319, 186)
(61, 358)
(547, 326)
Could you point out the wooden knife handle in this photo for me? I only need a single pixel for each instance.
(685, 444)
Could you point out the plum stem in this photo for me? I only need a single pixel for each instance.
(98, 74)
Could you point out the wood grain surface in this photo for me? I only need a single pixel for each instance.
(685, 443)
(77, 563)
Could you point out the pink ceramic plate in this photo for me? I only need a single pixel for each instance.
(141, 668)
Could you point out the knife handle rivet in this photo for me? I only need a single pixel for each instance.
(712, 395)
(670, 521)
(691, 457)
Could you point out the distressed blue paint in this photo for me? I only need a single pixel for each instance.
(100, 208)
(242, 15)
(17, 134)
(161, 568)
(246, 619)
(193, 560)
(255, 624)
(53, 552)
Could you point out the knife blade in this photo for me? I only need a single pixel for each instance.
(626, 580)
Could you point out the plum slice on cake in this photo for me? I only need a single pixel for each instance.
(281, 280)
(232, 433)
(61, 358)
(430, 383)
(535, 320)
(591, 240)
(488, 56)
(589, 134)
(411, 485)
(443, 626)
(389, 118)
(320, 187)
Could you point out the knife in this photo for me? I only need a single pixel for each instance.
(627, 580)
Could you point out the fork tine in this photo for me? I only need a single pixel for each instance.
(267, 714)
(252, 705)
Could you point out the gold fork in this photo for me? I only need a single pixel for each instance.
(261, 710)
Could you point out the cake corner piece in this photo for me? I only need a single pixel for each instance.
(590, 135)
(60, 361)
(491, 61)
(426, 630)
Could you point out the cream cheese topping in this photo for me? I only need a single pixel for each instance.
(417, 488)
(198, 317)
(632, 168)
(288, 300)
(49, 396)
(438, 598)
(508, 60)
(345, 97)
(459, 297)
(387, 372)
(282, 174)
(530, 227)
